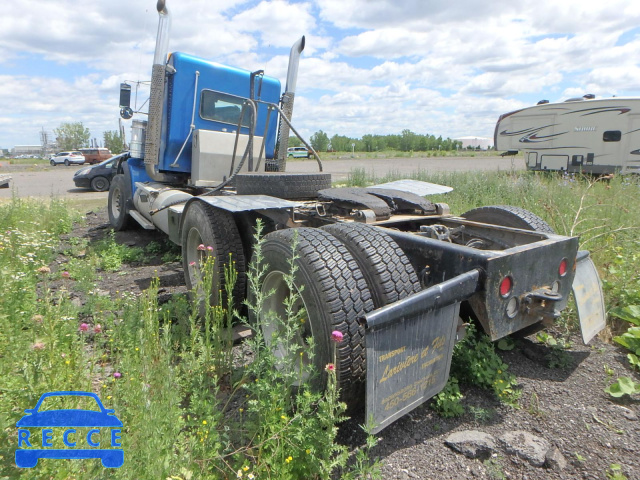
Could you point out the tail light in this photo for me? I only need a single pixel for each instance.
(505, 286)
(562, 269)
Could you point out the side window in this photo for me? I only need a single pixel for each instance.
(577, 160)
(222, 107)
(612, 136)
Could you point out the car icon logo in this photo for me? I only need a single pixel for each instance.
(95, 420)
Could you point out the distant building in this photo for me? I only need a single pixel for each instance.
(483, 143)
(26, 150)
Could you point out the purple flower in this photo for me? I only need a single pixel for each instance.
(83, 327)
(337, 336)
(97, 328)
(117, 375)
(65, 274)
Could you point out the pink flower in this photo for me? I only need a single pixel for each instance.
(330, 367)
(97, 328)
(192, 264)
(65, 274)
(201, 247)
(210, 248)
(83, 327)
(117, 375)
(337, 336)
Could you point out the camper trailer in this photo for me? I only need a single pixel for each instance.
(588, 135)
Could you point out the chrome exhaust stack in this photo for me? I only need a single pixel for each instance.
(287, 102)
(158, 77)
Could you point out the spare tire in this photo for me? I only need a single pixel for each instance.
(289, 186)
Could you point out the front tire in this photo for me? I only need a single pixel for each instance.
(52, 163)
(218, 234)
(66, 163)
(100, 184)
(333, 293)
(116, 205)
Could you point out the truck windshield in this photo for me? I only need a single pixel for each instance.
(222, 107)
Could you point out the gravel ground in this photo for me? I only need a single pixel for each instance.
(567, 406)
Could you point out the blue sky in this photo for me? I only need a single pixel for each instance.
(370, 66)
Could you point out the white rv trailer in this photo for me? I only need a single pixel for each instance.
(578, 135)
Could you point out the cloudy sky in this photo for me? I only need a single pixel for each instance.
(440, 67)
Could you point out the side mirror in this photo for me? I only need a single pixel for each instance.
(125, 95)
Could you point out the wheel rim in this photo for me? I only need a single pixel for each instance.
(99, 184)
(194, 257)
(275, 292)
(116, 203)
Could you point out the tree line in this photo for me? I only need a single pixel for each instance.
(407, 141)
(74, 135)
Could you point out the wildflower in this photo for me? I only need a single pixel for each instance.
(330, 367)
(288, 459)
(307, 451)
(200, 247)
(117, 375)
(192, 264)
(204, 422)
(283, 417)
(37, 346)
(499, 372)
(97, 328)
(239, 474)
(250, 476)
(65, 274)
(108, 397)
(245, 468)
(210, 248)
(337, 336)
(63, 355)
(44, 269)
(67, 362)
(241, 410)
(37, 318)
(83, 327)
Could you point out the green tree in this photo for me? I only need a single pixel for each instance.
(320, 141)
(114, 141)
(294, 141)
(72, 135)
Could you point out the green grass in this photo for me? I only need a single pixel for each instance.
(190, 410)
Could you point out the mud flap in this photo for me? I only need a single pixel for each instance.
(587, 291)
(409, 347)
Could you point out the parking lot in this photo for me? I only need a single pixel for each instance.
(46, 181)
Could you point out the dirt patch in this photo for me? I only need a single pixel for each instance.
(566, 406)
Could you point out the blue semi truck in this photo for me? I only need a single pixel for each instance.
(390, 270)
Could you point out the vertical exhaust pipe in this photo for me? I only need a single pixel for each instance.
(287, 102)
(158, 77)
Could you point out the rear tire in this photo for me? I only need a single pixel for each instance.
(117, 204)
(100, 184)
(291, 186)
(334, 294)
(215, 228)
(508, 216)
(66, 163)
(387, 270)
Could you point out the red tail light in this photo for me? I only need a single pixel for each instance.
(562, 269)
(505, 286)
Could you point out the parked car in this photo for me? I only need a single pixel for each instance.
(98, 177)
(68, 158)
(298, 152)
(95, 155)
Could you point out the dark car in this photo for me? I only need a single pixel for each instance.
(92, 413)
(98, 177)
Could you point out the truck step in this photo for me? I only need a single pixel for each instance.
(144, 223)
